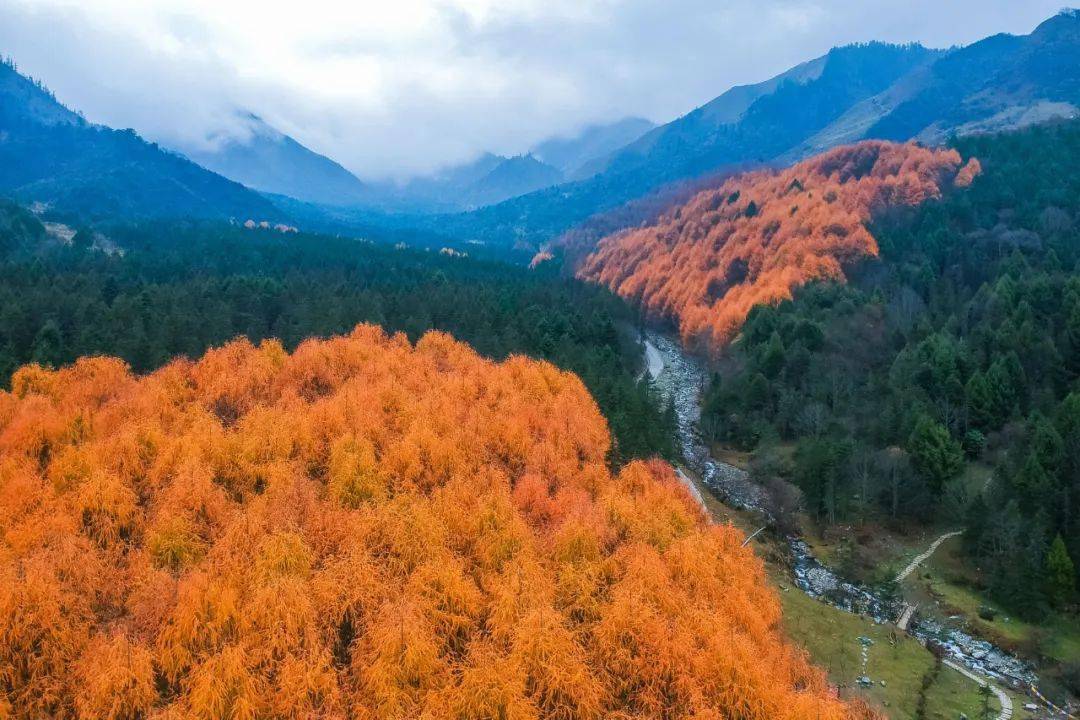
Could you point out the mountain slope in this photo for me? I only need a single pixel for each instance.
(512, 177)
(993, 83)
(28, 101)
(757, 237)
(958, 350)
(747, 125)
(50, 155)
(860, 92)
(581, 155)
(273, 162)
(365, 528)
(487, 180)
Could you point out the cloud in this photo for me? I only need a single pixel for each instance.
(401, 88)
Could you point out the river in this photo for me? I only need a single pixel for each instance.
(680, 379)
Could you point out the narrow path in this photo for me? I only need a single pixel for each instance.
(920, 559)
(692, 488)
(905, 616)
(1002, 696)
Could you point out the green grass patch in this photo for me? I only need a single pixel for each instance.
(946, 581)
(830, 636)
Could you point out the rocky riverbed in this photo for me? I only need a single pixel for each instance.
(680, 379)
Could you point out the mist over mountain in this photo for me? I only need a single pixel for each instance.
(855, 92)
(491, 178)
(744, 126)
(487, 180)
(867, 91)
(271, 161)
(53, 159)
(576, 155)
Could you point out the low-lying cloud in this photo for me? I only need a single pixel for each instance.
(395, 89)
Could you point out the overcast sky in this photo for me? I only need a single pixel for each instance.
(396, 87)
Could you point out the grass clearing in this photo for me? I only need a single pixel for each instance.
(830, 636)
(947, 582)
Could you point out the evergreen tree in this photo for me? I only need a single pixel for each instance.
(1003, 389)
(981, 404)
(934, 454)
(757, 392)
(772, 360)
(48, 347)
(1032, 483)
(1060, 574)
(1046, 443)
(1067, 422)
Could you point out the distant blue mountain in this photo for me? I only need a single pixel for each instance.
(270, 161)
(576, 155)
(50, 157)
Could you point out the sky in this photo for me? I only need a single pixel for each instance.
(396, 88)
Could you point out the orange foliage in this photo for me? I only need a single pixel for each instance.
(758, 236)
(364, 529)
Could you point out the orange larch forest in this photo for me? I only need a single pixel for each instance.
(758, 236)
(364, 529)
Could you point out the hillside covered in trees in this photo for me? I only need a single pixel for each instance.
(149, 292)
(943, 380)
(369, 529)
(756, 237)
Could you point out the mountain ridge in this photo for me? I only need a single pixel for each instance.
(856, 92)
(51, 157)
(271, 161)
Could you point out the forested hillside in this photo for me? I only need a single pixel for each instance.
(365, 529)
(754, 239)
(954, 354)
(168, 289)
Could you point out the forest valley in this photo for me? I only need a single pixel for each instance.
(325, 518)
(894, 333)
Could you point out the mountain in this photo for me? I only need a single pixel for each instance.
(270, 161)
(575, 156)
(998, 83)
(51, 157)
(487, 180)
(1003, 82)
(744, 126)
(867, 91)
(512, 177)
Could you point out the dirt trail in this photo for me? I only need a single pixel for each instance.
(923, 557)
(1002, 696)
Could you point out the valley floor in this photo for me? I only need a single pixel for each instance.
(874, 661)
(904, 674)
